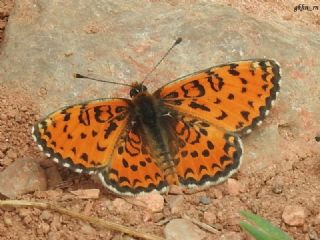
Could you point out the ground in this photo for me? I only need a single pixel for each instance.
(294, 181)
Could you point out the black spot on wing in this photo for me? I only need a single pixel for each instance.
(84, 157)
(84, 117)
(188, 170)
(202, 107)
(245, 115)
(193, 89)
(222, 116)
(100, 148)
(67, 117)
(216, 82)
(112, 127)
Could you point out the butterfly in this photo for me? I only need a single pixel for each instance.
(186, 133)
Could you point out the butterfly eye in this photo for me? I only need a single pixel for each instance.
(134, 92)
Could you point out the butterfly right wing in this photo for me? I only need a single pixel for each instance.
(235, 96)
(203, 154)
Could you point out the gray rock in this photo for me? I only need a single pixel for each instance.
(48, 41)
(22, 176)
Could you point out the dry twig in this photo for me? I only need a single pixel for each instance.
(92, 220)
(201, 224)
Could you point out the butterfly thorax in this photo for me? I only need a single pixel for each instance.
(147, 117)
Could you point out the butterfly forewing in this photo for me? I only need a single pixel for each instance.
(83, 136)
(235, 96)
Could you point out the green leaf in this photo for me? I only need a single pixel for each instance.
(261, 229)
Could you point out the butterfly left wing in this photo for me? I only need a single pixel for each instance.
(203, 154)
(83, 136)
(235, 96)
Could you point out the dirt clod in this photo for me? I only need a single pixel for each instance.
(294, 215)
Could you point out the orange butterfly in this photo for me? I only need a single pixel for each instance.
(185, 133)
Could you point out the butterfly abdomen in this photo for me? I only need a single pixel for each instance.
(148, 115)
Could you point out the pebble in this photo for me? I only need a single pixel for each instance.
(46, 215)
(233, 187)
(316, 220)
(30, 177)
(121, 206)
(87, 229)
(209, 217)
(313, 235)
(294, 215)
(175, 203)
(7, 221)
(217, 193)
(182, 229)
(175, 190)
(205, 200)
(153, 201)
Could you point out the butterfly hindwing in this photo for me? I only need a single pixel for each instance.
(205, 154)
(235, 96)
(133, 169)
(83, 136)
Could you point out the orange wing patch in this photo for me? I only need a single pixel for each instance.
(83, 136)
(205, 154)
(235, 96)
(132, 169)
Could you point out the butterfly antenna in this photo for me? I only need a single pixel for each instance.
(77, 75)
(179, 40)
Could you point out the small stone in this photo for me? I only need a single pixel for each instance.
(12, 154)
(178, 229)
(313, 235)
(121, 206)
(217, 193)
(87, 229)
(23, 212)
(316, 220)
(7, 221)
(27, 220)
(152, 201)
(29, 178)
(233, 187)
(68, 53)
(294, 215)
(175, 203)
(3, 117)
(46, 215)
(209, 217)
(175, 190)
(24, 109)
(45, 228)
(54, 236)
(205, 200)
(277, 188)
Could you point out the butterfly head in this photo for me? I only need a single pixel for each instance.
(137, 88)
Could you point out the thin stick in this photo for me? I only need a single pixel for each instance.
(201, 224)
(93, 220)
(179, 40)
